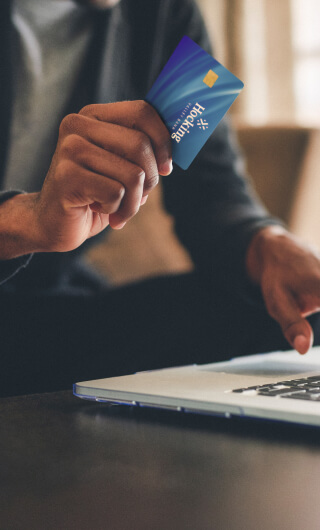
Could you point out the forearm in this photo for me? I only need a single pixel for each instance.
(19, 234)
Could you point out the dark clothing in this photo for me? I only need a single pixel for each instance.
(57, 324)
(215, 214)
(52, 341)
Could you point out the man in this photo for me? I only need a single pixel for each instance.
(88, 66)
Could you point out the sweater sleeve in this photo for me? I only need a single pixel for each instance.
(9, 268)
(215, 209)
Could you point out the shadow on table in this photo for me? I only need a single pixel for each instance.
(249, 428)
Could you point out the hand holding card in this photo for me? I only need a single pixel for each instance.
(192, 94)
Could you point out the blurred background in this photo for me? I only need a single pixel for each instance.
(273, 46)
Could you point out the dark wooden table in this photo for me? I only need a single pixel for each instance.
(71, 464)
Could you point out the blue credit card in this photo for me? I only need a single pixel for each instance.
(192, 94)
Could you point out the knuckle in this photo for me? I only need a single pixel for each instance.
(72, 146)
(143, 144)
(116, 194)
(136, 175)
(289, 328)
(131, 211)
(70, 123)
(88, 110)
(64, 170)
(144, 110)
(151, 181)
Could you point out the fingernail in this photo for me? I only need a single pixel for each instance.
(119, 226)
(166, 168)
(301, 344)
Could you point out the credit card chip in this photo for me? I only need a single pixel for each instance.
(210, 78)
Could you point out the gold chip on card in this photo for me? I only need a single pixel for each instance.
(210, 78)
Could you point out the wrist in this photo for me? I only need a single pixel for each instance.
(20, 231)
(258, 250)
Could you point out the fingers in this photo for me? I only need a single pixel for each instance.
(283, 307)
(302, 343)
(137, 116)
(81, 187)
(131, 145)
(124, 142)
(110, 165)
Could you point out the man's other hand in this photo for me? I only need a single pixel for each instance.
(108, 159)
(288, 273)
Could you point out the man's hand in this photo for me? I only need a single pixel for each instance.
(108, 159)
(288, 273)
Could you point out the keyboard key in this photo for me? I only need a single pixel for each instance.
(247, 389)
(288, 388)
(298, 381)
(305, 396)
(278, 392)
(286, 383)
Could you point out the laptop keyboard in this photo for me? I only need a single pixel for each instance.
(307, 388)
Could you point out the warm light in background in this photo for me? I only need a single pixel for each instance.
(306, 52)
(274, 47)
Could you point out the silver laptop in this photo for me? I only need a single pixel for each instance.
(277, 386)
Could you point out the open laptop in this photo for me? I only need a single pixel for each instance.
(277, 386)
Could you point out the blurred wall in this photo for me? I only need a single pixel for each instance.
(274, 47)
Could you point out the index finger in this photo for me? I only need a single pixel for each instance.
(143, 117)
(283, 307)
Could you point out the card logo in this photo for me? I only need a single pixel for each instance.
(202, 124)
(188, 122)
